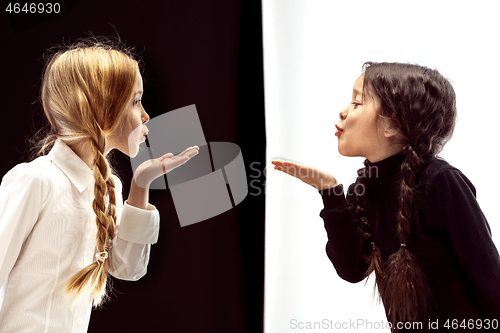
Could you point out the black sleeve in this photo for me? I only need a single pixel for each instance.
(455, 200)
(346, 244)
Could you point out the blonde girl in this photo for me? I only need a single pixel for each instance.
(63, 223)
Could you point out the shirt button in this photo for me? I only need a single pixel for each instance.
(79, 321)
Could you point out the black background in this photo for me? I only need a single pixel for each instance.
(207, 277)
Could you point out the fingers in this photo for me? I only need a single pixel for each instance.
(285, 163)
(169, 155)
(309, 175)
(174, 162)
(191, 151)
(288, 167)
(277, 163)
(170, 162)
(291, 169)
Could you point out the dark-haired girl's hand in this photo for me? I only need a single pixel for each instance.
(314, 177)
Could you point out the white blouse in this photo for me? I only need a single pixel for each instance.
(47, 234)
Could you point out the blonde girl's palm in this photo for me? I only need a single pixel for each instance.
(154, 168)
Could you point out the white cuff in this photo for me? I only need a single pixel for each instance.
(139, 225)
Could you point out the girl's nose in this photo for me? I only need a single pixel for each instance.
(145, 117)
(343, 114)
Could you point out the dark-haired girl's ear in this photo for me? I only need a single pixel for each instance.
(390, 127)
(396, 121)
(396, 128)
(390, 132)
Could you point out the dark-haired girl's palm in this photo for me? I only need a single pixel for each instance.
(314, 177)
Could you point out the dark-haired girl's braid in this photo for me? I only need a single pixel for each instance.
(374, 258)
(420, 104)
(406, 292)
(96, 273)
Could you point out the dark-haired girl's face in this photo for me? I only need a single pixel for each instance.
(359, 131)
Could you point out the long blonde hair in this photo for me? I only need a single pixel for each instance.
(85, 91)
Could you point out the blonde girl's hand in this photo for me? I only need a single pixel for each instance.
(152, 169)
(314, 177)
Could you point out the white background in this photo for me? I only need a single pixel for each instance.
(313, 53)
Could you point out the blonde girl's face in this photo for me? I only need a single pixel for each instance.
(359, 131)
(132, 131)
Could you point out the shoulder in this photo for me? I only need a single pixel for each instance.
(439, 175)
(28, 177)
(26, 172)
(436, 166)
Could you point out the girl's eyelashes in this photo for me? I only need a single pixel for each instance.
(356, 104)
(137, 101)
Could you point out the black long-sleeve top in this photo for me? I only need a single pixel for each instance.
(451, 239)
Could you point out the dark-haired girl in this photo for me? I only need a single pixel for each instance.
(410, 217)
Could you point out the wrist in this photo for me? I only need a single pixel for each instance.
(328, 185)
(138, 195)
(327, 182)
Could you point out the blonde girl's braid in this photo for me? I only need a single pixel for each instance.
(96, 273)
(86, 90)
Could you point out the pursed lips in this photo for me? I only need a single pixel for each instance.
(339, 130)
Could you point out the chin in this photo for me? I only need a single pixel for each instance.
(342, 151)
(347, 153)
(132, 150)
(133, 153)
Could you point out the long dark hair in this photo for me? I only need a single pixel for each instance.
(420, 103)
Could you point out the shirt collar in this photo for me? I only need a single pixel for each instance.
(71, 165)
(381, 170)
